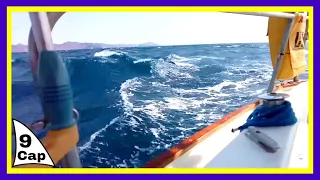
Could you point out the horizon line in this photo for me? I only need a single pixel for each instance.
(152, 42)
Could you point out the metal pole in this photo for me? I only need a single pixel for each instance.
(42, 36)
(41, 31)
(71, 159)
(280, 56)
(268, 14)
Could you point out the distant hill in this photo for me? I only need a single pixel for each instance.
(78, 45)
(19, 48)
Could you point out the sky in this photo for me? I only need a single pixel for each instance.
(178, 28)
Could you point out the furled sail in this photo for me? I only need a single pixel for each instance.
(294, 62)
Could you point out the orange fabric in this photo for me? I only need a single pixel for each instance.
(58, 144)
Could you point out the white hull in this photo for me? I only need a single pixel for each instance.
(220, 148)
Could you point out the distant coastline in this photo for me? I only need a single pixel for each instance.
(78, 45)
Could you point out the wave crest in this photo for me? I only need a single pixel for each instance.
(106, 53)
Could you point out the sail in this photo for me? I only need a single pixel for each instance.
(294, 62)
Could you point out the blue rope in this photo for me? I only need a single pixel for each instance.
(279, 115)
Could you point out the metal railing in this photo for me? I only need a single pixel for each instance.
(284, 42)
(268, 14)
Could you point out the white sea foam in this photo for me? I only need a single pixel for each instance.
(96, 134)
(142, 60)
(106, 53)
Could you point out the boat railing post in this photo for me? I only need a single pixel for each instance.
(43, 39)
(41, 31)
(71, 159)
(280, 56)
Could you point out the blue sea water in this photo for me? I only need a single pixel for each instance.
(134, 103)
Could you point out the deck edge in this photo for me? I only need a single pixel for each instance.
(178, 150)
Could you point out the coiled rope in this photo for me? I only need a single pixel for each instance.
(279, 115)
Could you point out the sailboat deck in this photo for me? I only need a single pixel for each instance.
(216, 146)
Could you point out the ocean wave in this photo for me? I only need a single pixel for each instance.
(233, 46)
(137, 102)
(94, 135)
(106, 53)
(142, 60)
